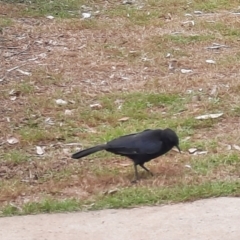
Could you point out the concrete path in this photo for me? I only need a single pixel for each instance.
(211, 219)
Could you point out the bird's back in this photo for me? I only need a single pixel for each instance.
(136, 140)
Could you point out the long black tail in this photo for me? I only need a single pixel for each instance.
(89, 151)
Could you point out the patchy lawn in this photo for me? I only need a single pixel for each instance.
(147, 64)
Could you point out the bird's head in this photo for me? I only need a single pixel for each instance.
(172, 138)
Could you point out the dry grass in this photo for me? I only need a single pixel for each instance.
(115, 59)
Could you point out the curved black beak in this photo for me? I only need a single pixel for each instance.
(178, 148)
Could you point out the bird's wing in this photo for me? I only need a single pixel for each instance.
(150, 147)
(129, 136)
(135, 144)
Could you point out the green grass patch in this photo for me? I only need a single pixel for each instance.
(130, 197)
(192, 123)
(207, 164)
(183, 39)
(213, 5)
(61, 9)
(135, 15)
(236, 111)
(137, 107)
(134, 105)
(16, 156)
(25, 87)
(227, 30)
(5, 22)
(33, 135)
(48, 205)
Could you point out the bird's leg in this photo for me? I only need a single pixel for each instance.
(142, 165)
(136, 173)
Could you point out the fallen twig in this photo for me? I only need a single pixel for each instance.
(14, 54)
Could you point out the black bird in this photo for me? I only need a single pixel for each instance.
(139, 147)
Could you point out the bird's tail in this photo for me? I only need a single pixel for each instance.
(88, 151)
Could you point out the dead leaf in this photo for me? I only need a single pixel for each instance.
(24, 72)
(119, 107)
(200, 153)
(49, 121)
(125, 2)
(40, 150)
(13, 98)
(184, 71)
(168, 55)
(210, 61)
(192, 150)
(228, 147)
(125, 164)
(12, 140)
(198, 12)
(86, 15)
(236, 147)
(73, 144)
(124, 119)
(190, 23)
(96, 106)
(12, 92)
(50, 17)
(68, 112)
(61, 102)
(209, 116)
(217, 46)
(110, 192)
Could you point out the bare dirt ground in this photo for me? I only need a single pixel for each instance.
(205, 219)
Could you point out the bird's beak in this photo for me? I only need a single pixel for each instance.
(178, 148)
